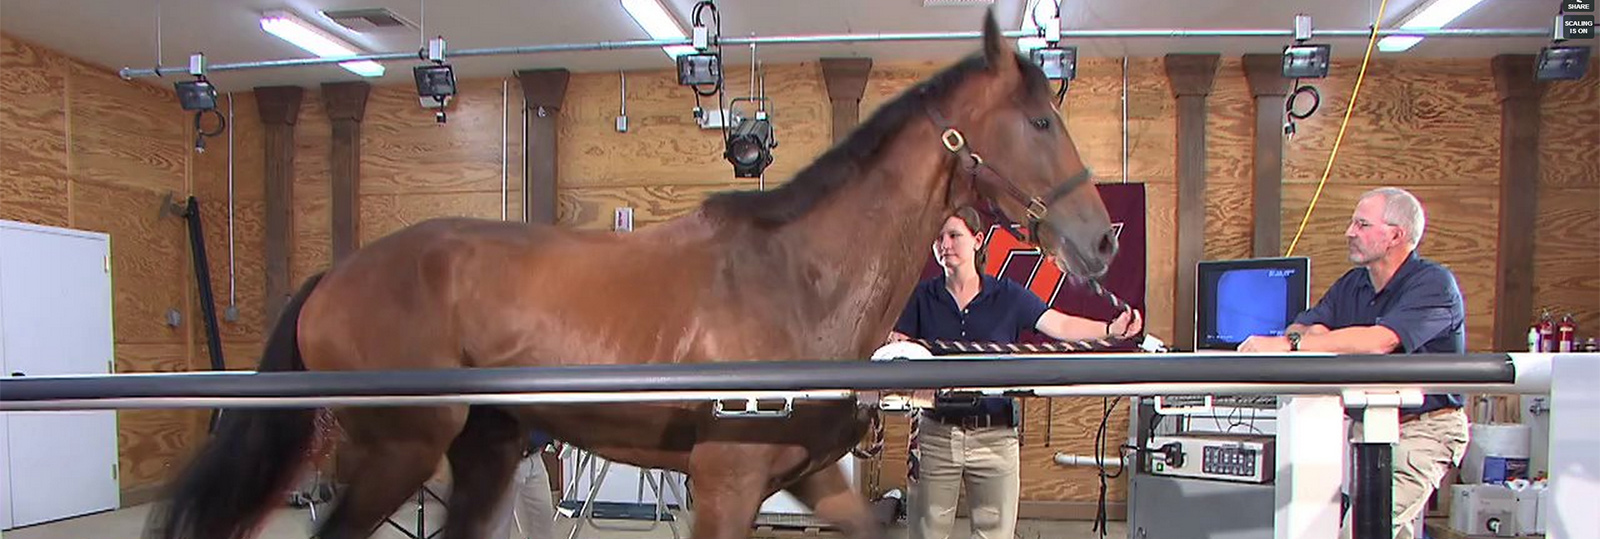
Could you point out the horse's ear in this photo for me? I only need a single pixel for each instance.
(1000, 58)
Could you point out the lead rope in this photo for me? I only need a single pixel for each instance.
(939, 347)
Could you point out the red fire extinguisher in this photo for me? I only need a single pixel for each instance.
(1547, 329)
(1566, 340)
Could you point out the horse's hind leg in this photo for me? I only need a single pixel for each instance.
(482, 459)
(728, 481)
(398, 449)
(828, 494)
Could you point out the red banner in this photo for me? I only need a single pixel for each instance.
(1012, 259)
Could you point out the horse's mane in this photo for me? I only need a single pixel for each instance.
(846, 159)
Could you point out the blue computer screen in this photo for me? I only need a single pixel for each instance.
(1241, 298)
(1251, 302)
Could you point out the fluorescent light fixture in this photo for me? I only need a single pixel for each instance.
(288, 27)
(653, 18)
(1434, 16)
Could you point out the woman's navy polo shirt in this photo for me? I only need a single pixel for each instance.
(1000, 312)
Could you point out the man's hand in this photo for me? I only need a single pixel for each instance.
(1265, 343)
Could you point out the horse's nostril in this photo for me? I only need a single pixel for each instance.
(1108, 245)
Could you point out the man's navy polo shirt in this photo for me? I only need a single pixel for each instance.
(1422, 304)
(1000, 312)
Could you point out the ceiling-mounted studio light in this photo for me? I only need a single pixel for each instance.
(197, 94)
(436, 82)
(1058, 63)
(750, 142)
(1303, 60)
(1562, 63)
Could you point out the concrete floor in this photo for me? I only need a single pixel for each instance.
(294, 524)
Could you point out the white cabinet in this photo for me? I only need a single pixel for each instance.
(55, 319)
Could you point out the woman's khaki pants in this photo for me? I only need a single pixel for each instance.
(947, 457)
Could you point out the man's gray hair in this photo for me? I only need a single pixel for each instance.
(1401, 209)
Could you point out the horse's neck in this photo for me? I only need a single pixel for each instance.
(869, 241)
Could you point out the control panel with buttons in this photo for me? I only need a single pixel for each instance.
(1223, 457)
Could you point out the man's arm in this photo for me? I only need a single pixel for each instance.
(1424, 310)
(1348, 340)
(1351, 340)
(1303, 329)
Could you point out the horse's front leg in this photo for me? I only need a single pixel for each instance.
(827, 492)
(728, 481)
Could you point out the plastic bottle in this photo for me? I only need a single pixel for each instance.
(1533, 339)
(1547, 330)
(1566, 340)
(1591, 346)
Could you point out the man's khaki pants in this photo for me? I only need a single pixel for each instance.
(526, 510)
(985, 460)
(1428, 447)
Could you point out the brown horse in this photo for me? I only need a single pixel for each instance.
(816, 269)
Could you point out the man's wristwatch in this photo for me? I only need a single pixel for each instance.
(1294, 341)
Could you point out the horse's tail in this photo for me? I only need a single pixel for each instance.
(245, 470)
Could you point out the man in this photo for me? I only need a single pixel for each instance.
(1393, 302)
(526, 510)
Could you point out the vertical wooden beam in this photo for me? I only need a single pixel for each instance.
(846, 79)
(1518, 93)
(346, 103)
(543, 90)
(1191, 76)
(1264, 72)
(279, 107)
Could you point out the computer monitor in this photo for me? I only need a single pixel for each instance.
(1239, 298)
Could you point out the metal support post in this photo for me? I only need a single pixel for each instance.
(1373, 499)
(1310, 441)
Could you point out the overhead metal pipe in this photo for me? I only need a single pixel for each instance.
(130, 73)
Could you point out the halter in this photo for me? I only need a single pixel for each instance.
(1037, 208)
(973, 165)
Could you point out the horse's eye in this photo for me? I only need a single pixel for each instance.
(1041, 123)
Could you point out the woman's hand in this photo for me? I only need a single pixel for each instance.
(895, 336)
(1127, 324)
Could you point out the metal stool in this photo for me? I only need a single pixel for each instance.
(598, 468)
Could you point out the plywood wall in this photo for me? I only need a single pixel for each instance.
(1566, 234)
(1431, 126)
(81, 148)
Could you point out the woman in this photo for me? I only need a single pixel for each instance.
(976, 444)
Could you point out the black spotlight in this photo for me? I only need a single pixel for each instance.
(749, 146)
(196, 94)
(1306, 61)
(438, 82)
(1058, 63)
(1562, 63)
(703, 69)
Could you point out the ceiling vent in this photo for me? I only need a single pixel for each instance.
(368, 20)
(957, 3)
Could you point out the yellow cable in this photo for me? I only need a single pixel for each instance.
(1371, 40)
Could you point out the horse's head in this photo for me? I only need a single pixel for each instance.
(1009, 136)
